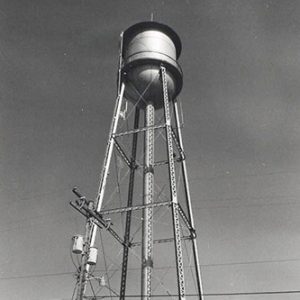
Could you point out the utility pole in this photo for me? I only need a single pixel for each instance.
(83, 269)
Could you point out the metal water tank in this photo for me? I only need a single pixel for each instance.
(146, 46)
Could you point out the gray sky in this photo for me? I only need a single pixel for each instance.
(241, 66)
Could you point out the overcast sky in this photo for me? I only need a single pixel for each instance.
(241, 64)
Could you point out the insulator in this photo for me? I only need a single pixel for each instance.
(102, 281)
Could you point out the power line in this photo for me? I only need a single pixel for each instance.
(251, 262)
(159, 268)
(253, 293)
(248, 205)
(196, 178)
(199, 178)
(41, 217)
(36, 276)
(242, 198)
(37, 196)
(207, 294)
(195, 208)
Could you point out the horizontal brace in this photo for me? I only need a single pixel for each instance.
(132, 208)
(161, 163)
(139, 130)
(160, 241)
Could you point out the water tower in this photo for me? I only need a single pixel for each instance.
(150, 221)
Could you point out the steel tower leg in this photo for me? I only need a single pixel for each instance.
(175, 213)
(147, 238)
(107, 158)
(188, 202)
(91, 228)
(129, 204)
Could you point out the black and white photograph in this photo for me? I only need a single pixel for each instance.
(149, 149)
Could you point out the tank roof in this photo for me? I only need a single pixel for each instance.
(143, 26)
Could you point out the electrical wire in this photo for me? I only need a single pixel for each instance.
(36, 275)
(161, 268)
(213, 294)
(198, 178)
(74, 290)
(194, 207)
(245, 206)
(37, 196)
